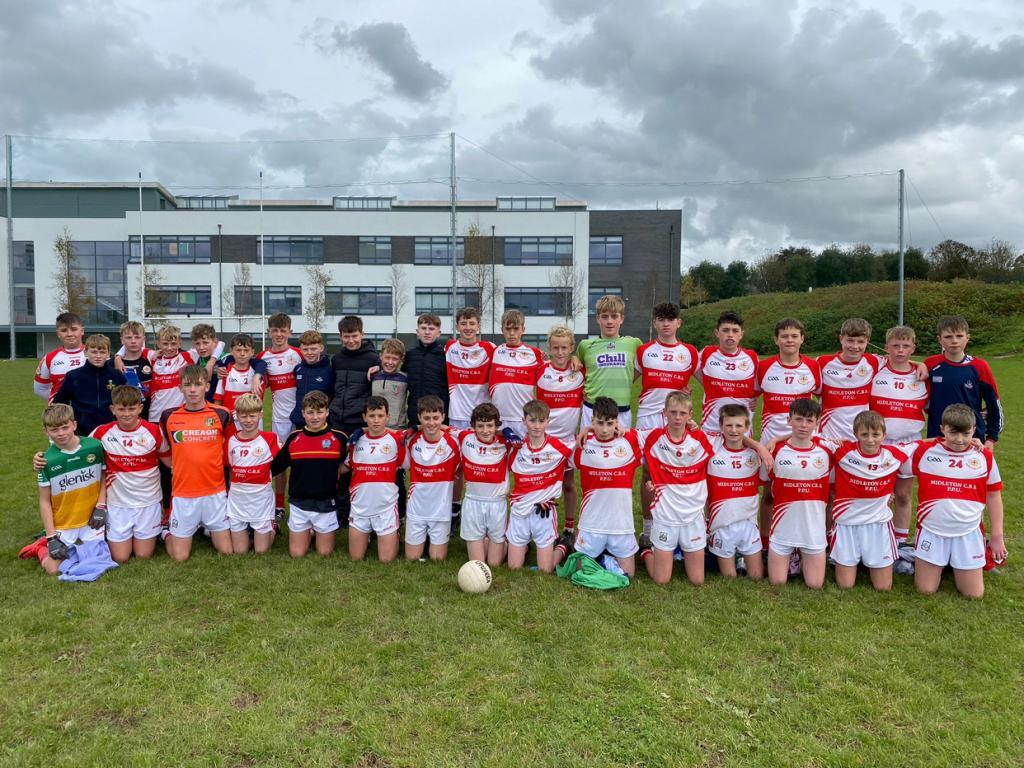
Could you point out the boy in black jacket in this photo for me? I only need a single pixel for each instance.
(425, 366)
(313, 374)
(87, 389)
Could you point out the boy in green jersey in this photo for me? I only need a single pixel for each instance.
(608, 361)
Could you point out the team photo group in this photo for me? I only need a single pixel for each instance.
(465, 437)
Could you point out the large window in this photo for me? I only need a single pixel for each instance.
(596, 292)
(363, 203)
(99, 268)
(437, 251)
(24, 256)
(24, 304)
(374, 250)
(525, 203)
(542, 251)
(279, 249)
(205, 202)
(606, 251)
(343, 300)
(279, 298)
(438, 301)
(172, 249)
(539, 301)
(184, 299)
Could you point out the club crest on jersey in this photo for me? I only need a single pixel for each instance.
(692, 451)
(752, 461)
(803, 379)
(385, 449)
(475, 352)
(90, 458)
(620, 451)
(862, 370)
(743, 365)
(146, 369)
(969, 385)
(325, 443)
(914, 385)
(819, 463)
(974, 462)
(209, 422)
(110, 385)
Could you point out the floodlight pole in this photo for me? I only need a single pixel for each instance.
(263, 275)
(901, 278)
(10, 232)
(142, 254)
(454, 222)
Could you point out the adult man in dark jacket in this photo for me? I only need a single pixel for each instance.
(425, 366)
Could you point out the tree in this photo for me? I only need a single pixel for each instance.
(915, 265)
(399, 292)
(799, 263)
(711, 277)
(737, 279)
(477, 273)
(768, 274)
(1000, 263)
(316, 305)
(691, 292)
(71, 287)
(154, 302)
(572, 282)
(243, 280)
(951, 259)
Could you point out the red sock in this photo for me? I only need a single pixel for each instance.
(901, 535)
(279, 500)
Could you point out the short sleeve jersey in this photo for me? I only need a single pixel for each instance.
(952, 487)
(54, 367)
(281, 379)
(196, 443)
(468, 366)
(562, 390)
(73, 478)
(512, 378)
(431, 476)
(863, 484)
(235, 384)
(536, 474)
(845, 392)
(663, 368)
(780, 385)
(679, 474)
(249, 461)
(484, 465)
(132, 460)
(606, 470)
(800, 487)
(609, 364)
(374, 462)
(900, 399)
(726, 379)
(734, 480)
(164, 394)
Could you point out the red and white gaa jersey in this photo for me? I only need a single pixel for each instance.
(679, 474)
(431, 476)
(562, 390)
(780, 385)
(513, 375)
(536, 474)
(249, 464)
(468, 366)
(863, 484)
(734, 479)
(845, 392)
(164, 394)
(663, 368)
(952, 486)
(281, 379)
(726, 379)
(54, 367)
(800, 485)
(606, 470)
(132, 462)
(484, 465)
(900, 399)
(236, 383)
(374, 462)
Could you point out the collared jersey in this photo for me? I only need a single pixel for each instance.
(314, 459)
(726, 379)
(609, 364)
(374, 462)
(900, 399)
(484, 465)
(863, 484)
(73, 478)
(780, 385)
(970, 381)
(606, 470)
(132, 459)
(562, 390)
(196, 443)
(845, 392)
(54, 367)
(431, 476)
(952, 486)
(512, 378)
(280, 379)
(800, 485)
(663, 368)
(734, 479)
(237, 383)
(164, 392)
(679, 474)
(468, 366)
(536, 474)
(250, 461)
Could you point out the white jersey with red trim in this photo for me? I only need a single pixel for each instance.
(679, 474)
(249, 463)
(132, 462)
(236, 383)
(952, 486)
(780, 385)
(512, 378)
(863, 484)
(734, 479)
(431, 476)
(901, 399)
(536, 474)
(164, 394)
(663, 368)
(484, 465)
(562, 390)
(374, 462)
(726, 379)
(845, 392)
(54, 367)
(280, 379)
(800, 485)
(606, 470)
(468, 366)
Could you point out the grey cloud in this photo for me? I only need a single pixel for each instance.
(965, 57)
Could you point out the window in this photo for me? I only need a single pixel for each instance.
(542, 251)
(374, 250)
(363, 203)
(596, 292)
(184, 299)
(539, 340)
(606, 251)
(278, 298)
(282, 249)
(539, 301)
(100, 268)
(438, 301)
(172, 249)
(25, 261)
(526, 203)
(358, 301)
(24, 304)
(205, 202)
(436, 251)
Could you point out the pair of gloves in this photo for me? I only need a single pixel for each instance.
(58, 550)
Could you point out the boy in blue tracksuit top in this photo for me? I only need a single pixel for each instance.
(87, 389)
(314, 374)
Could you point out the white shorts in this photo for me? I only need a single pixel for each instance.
(786, 550)
(258, 526)
(964, 553)
(187, 515)
(127, 523)
(74, 535)
(247, 511)
(459, 423)
(653, 421)
(522, 529)
(618, 544)
(282, 429)
(519, 427)
(587, 416)
(417, 531)
(873, 544)
(301, 520)
(690, 537)
(382, 524)
(484, 518)
(741, 537)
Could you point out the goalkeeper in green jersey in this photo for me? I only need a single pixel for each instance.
(608, 361)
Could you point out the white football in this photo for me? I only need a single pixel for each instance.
(475, 577)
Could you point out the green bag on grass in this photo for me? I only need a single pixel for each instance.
(584, 571)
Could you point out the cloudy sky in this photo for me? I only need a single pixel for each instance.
(622, 104)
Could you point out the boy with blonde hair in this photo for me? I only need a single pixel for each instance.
(846, 378)
(135, 363)
(314, 374)
(391, 383)
(608, 361)
(60, 362)
(87, 388)
(250, 453)
(514, 370)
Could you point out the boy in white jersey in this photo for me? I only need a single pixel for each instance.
(431, 458)
(241, 377)
(164, 388)
(865, 475)
(484, 454)
(67, 357)
(727, 372)
(846, 378)
(537, 466)
(248, 455)
(956, 483)
(468, 363)
(280, 359)
(514, 370)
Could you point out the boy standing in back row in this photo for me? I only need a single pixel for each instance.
(608, 361)
(57, 364)
(281, 359)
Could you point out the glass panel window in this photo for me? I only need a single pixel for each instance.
(606, 251)
(538, 251)
(538, 301)
(279, 298)
(24, 304)
(438, 301)
(363, 203)
(185, 299)
(374, 250)
(436, 251)
(283, 249)
(346, 300)
(525, 203)
(24, 261)
(99, 268)
(172, 249)
(596, 292)
(204, 202)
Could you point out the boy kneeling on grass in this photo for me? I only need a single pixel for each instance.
(251, 496)
(431, 458)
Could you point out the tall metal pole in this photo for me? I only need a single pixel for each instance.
(263, 276)
(10, 231)
(220, 278)
(142, 255)
(493, 283)
(454, 193)
(900, 319)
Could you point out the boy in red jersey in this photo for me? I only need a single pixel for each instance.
(431, 458)
(468, 362)
(846, 378)
(727, 372)
(165, 392)
(57, 364)
(513, 372)
(240, 377)
(249, 454)
(484, 454)
(280, 359)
